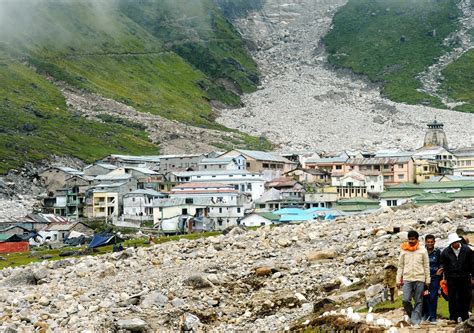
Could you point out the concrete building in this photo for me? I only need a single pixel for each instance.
(223, 163)
(138, 205)
(355, 184)
(54, 178)
(270, 165)
(250, 183)
(464, 161)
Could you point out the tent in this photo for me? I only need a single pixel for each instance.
(104, 239)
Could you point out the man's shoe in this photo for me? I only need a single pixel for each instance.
(434, 322)
(415, 326)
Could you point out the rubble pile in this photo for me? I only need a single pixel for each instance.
(264, 279)
(304, 104)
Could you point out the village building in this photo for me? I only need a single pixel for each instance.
(464, 161)
(221, 206)
(355, 184)
(54, 178)
(138, 205)
(259, 219)
(319, 177)
(425, 170)
(151, 161)
(179, 162)
(394, 170)
(322, 198)
(445, 160)
(223, 163)
(275, 199)
(249, 183)
(99, 169)
(60, 231)
(270, 165)
(329, 164)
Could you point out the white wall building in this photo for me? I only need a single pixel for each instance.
(247, 182)
(138, 205)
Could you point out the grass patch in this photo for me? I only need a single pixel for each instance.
(458, 81)
(392, 42)
(443, 310)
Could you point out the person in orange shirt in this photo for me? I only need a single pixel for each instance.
(414, 275)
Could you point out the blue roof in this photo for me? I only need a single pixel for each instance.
(315, 210)
(296, 218)
(289, 211)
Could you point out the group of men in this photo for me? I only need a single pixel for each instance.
(422, 268)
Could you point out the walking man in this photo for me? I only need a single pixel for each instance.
(456, 261)
(414, 275)
(430, 301)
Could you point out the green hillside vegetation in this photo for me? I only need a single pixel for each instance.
(165, 57)
(459, 81)
(392, 42)
(35, 123)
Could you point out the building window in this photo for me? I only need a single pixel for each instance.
(468, 163)
(427, 177)
(401, 176)
(247, 164)
(265, 165)
(425, 168)
(238, 209)
(220, 209)
(338, 167)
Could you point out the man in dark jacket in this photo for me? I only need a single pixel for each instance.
(458, 267)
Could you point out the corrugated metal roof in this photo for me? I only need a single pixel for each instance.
(146, 192)
(377, 161)
(213, 172)
(400, 194)
(327, 160)
(202, 185)
(464, 152)
(142, 170)
(57, 226)
(296, 218)
(464, 184)
(124, 176)
(219, 160)
(264, 156)
(103, 165)
(196, 201)
(150, 158)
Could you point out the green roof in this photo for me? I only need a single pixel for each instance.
(432, 198)
(401, 194)
(462, 194)
(357, 201)
(356, 208)
(269, 216)
(465, 184)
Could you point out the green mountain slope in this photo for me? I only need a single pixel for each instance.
(392, 42)
(169, 58)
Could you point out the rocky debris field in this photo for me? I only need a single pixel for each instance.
(304, 104)
(248, 280)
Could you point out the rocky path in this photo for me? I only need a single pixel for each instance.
(265, 279)
(303, 104)
(431, 79)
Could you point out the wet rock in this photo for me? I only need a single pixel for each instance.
(197, 282)
(133, 325)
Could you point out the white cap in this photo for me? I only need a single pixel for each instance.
(453, 238)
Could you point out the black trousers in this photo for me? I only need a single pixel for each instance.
(459, 297)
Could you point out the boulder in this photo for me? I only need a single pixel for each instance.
(321, 255)
(133, 325)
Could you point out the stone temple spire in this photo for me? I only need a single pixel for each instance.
(435, 135)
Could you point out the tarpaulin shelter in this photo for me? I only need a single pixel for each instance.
(104, 239)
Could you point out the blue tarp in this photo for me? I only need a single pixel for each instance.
(288, 211)
(103, 239)
(296, 218)
(315, 210)
(329, 217)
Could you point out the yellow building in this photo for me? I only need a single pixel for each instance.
(105, 204)
(424, 170)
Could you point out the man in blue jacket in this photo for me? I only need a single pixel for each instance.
(430, 301)
(458, 267)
